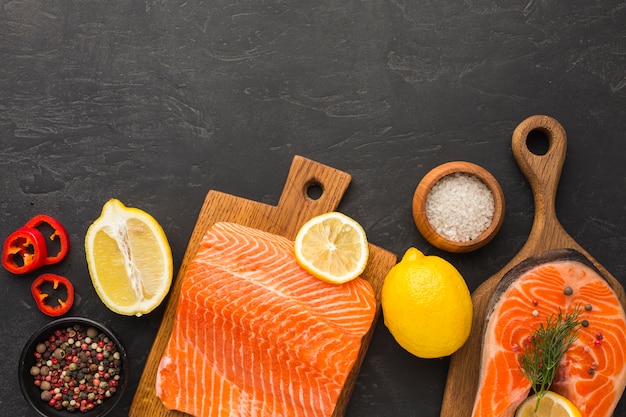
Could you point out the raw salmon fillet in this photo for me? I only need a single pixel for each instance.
(257, 335)
(592, 373)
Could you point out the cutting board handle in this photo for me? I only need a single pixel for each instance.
(306, 175)
(542, 171)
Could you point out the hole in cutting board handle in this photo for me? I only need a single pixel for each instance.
(314, 190)
(538, 142)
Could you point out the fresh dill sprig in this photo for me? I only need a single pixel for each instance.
(541, 357)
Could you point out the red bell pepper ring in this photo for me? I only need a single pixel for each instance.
(24, 251)
(58, 233)
(48, 290)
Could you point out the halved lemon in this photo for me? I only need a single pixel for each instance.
(550, 405)
(129, 259)
(332, 247)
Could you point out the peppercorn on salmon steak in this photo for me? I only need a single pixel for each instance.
(553, 311)
(256, 335)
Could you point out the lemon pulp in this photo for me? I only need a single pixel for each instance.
(550, 405)
(129, 259)
(332, 247)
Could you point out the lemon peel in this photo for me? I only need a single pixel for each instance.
(427, 305)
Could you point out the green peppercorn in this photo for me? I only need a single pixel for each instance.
(46, 395)
(58, 354)
(92, 332)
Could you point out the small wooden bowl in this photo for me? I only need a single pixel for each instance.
(419, 206)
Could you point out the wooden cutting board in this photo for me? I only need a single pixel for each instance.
(294, 208)
(543, 173)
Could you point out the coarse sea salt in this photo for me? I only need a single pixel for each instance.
(460, 207)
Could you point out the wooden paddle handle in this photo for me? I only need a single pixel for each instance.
(542, 171)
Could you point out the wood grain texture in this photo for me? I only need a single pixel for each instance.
(294, 208)
(543, 173)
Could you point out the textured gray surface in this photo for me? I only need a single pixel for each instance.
(157, 102)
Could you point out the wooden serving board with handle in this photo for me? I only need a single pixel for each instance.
(543, 173)
(294, 208)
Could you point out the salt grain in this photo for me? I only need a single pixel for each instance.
(460, 207)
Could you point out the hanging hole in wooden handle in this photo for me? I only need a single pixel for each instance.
(538, 142)
(314, 190)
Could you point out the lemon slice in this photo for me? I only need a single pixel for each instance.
(551, 405)
(129, 259)
(332, 247)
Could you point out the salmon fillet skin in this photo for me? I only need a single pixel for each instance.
(592, 373)
(256, 335)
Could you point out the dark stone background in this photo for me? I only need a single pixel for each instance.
(157, 102)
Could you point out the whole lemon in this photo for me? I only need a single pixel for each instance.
(426, 305)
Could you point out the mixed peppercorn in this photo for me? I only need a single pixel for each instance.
(77, 368)
(584, 323)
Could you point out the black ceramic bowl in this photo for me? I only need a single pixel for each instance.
(32, 392)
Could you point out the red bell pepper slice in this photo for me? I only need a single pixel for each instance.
(58, 233)
(24, 250)
(53, 294)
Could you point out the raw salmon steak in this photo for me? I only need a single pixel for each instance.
(257, 335)
(592, 373)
